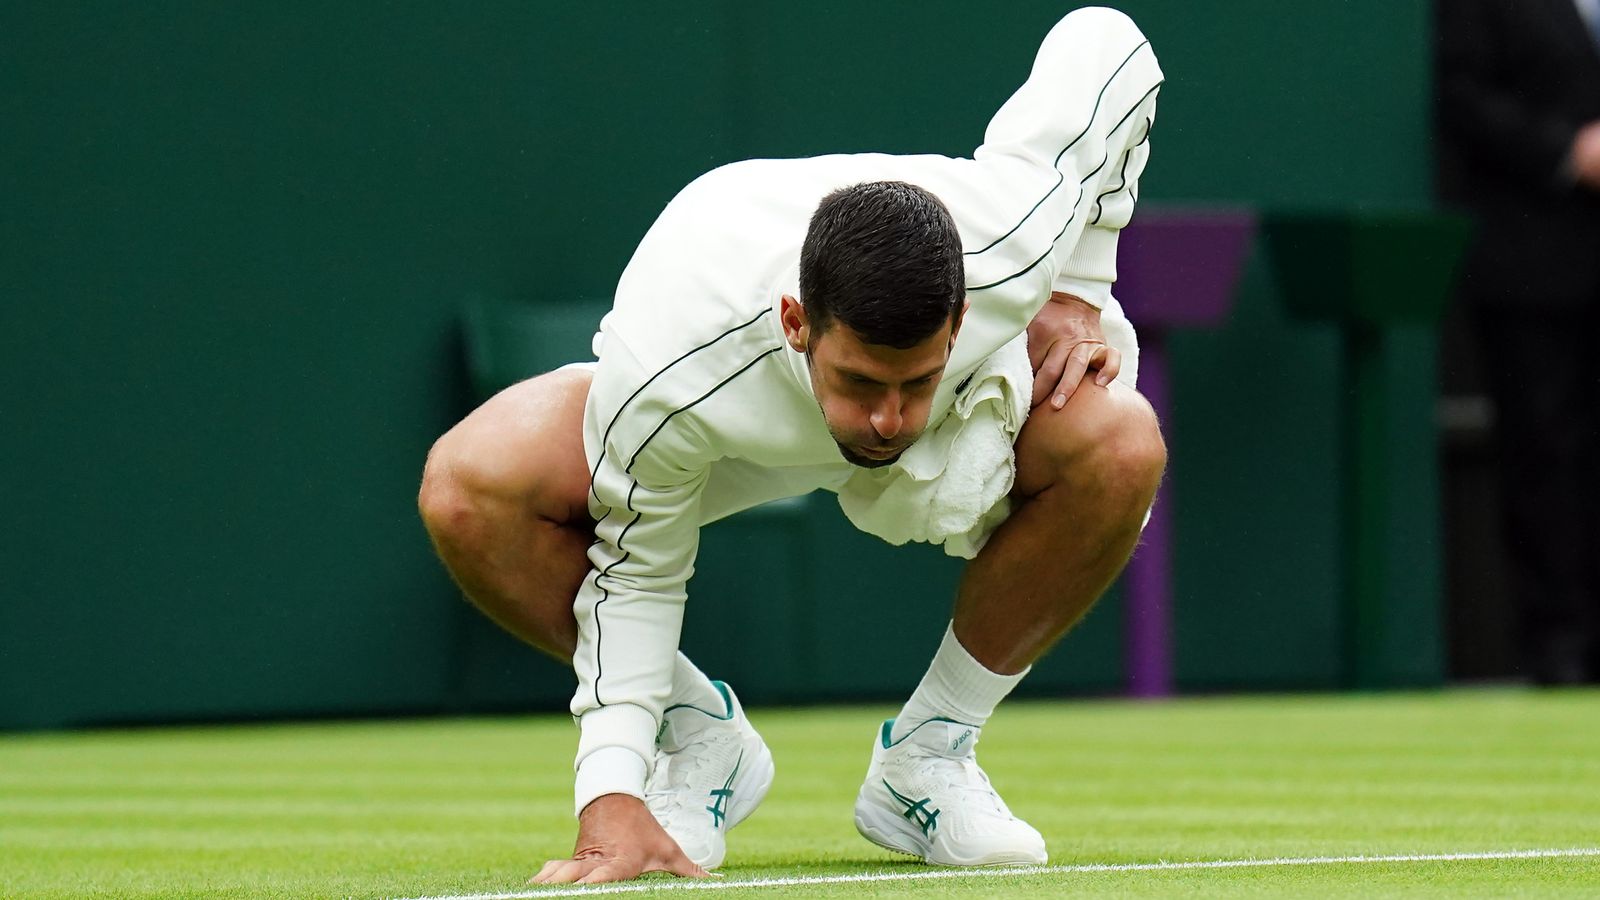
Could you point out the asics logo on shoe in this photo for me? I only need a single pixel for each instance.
(721, 796)
(956, 744)
(917, 810)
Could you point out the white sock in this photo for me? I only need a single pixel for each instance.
(691, 687)
(956, 687)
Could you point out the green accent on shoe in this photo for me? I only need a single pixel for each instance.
(888, 729)
(917, 810)
(721, 796)
(727, 700)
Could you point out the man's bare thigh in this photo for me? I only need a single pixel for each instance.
(524, 445)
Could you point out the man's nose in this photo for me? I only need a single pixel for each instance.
(887, 418)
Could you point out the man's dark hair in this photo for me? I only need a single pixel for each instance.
(884, 258)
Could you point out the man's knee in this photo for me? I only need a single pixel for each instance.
(518, 455)
(1108, 437)
(447, 499)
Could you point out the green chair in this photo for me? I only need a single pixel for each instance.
(507, 341)
(1371, 272)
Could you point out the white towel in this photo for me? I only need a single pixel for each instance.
(953, 485)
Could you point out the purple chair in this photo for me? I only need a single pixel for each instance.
(1177, 269)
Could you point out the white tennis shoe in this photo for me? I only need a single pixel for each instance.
(925, 796)
(712, 771)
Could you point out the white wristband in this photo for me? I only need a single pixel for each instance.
(609, 770)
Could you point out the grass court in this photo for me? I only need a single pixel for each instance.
(1253, 796)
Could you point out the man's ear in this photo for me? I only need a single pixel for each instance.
(796, 329)
(961, 314)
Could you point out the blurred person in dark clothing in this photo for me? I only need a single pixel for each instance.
(1518, 116)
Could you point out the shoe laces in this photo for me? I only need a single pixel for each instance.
(675, 772)
(962, 775)
(671, 774)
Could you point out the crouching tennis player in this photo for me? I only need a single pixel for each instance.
(932, 339)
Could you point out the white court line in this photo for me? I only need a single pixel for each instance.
(1003, 871)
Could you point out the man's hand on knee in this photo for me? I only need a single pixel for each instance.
(618, 840)
(1064, 343)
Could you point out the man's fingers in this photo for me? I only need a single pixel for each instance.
(543, 875)
(557, 871)
(684, 867)
(1110, 368)
(612, 870)
(1085, 356)
(1077, 364)
(1049, 373)
(563, 871)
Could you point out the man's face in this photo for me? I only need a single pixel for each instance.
(875, 399)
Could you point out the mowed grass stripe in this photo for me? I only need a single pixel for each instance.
(455, 807)
(1017, 872)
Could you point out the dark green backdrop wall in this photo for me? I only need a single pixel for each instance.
(234, 240)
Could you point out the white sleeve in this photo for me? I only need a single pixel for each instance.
(645, 435)
(1081, 125)
(630, 607)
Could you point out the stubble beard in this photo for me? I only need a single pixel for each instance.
(850, 456)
